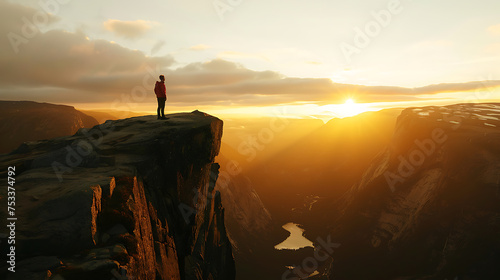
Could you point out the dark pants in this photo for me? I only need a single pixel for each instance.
(161, 106)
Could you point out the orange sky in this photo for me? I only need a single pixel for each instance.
(107, 56)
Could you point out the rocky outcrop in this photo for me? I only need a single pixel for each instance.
(22, 121)
(429, 206)
(127, 199)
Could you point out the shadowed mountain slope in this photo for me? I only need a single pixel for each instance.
(429, 206)
(22, 121)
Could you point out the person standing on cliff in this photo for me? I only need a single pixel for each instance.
(161, 95)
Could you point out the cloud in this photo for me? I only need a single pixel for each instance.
(63, 67)
(65, 59)
(128, 29)
(20, 23)
(240, 55)
(200, 47)
(68, 67)
(494, 30)
(220, 82)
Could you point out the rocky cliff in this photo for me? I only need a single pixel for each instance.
(22, 121)
(429, 206)
(127, 199)
(249, 224)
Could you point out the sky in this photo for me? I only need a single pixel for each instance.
(250, 56)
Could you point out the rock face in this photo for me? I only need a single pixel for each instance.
(247, 216)
(22, 121)
(248, 223)
(127, 199)
(429, 206)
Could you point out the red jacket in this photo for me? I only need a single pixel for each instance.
(160, 89)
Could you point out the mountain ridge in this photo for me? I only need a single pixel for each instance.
(429, 203)
(23, 121)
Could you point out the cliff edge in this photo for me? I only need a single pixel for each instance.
(127, 199)
(428, 207)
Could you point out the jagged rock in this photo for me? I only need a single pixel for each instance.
(129, 197)
(429, 206)
(249, 226)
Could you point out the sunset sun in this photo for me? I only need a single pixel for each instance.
(349, 103)
(349, 108)
(241, 141)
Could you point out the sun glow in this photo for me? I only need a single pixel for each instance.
(349, 108)
(349, 102)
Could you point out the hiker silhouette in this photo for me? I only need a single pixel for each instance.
(161, 95)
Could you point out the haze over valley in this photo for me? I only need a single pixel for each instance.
(243, 140)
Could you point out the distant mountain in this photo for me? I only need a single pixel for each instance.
(101, 117)
(22, 121)
(428, 207)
